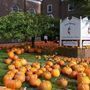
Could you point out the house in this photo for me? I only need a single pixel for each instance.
(53, 8)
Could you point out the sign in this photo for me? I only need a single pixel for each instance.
(75, 29)
(85, 43)
(70, 43)
(70, 29)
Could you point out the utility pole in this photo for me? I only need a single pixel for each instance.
(24, 5)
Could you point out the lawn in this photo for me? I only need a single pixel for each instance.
(31, 58)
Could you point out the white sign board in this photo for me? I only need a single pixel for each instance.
(70, 29)
(75, 29)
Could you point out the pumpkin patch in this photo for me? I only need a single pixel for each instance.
(45, 72)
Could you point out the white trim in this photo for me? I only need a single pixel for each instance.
(49, 5)
(34, 1)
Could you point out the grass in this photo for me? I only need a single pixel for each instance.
(31, 58)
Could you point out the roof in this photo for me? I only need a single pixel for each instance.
(35, 1)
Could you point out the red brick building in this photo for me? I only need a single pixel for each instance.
(54, 8)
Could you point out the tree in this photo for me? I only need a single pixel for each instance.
(21, 26)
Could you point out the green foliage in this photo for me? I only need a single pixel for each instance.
(21, 26)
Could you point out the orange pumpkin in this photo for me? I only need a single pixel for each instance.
(87, 71)
(66, 70)
(17, 63)
(13, 84)
(62, 82)
(34, 82)
(50, 63)
(23, 61)
(73, 74)
(83, 79)
(56, 66)
(11, 67)
(10, 84)
(8, 61)
(82, 86)
(36, 65)
(11, 54)
(47, 75)
(45, 85)
(61, 62)
(20, 76)
(55, 72)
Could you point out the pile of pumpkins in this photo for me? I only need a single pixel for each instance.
(20, 70)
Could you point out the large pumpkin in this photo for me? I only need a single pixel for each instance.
(13, 84)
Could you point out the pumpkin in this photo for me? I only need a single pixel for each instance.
(82, 86)
(79, 68)
(45, 85)
(61, 63)
(83, 79)
(15, 57)
(34, 82)
(17, 63)
(23, 61)
(22, 69)
(39, 72)
(50, 63)
(18, 83)
(20, 76)
(36, 65)
(47, 75)
(11, 67)
(62, 82)
(7, 77)
(10, 73)
(11, 54)
(87, 71)
(33, 76)
(73, 74)
(8, 61)
(29, 73)
(56, 66)
(49, 69)
(66, 70)
(13, 84)
(10, 84)
(55, 72)
(43, 69)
